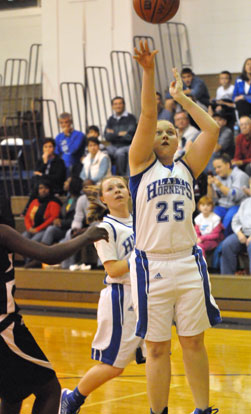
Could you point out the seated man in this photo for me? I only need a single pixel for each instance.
(96, 164)
(239, 241)
(186, 132)
(119, 132)
(70, 144)
(242, 156)
(226, 189)
(194, 87)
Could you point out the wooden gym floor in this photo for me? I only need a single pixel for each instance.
(67, 342)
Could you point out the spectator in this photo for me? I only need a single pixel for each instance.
(96, 164)
(224, 93)
(225, 144)
(70, 144)
(41, 212)
(186, 132)
(242, 156)
(239, 241)
(226, 189)
(50, 166)
(194, 87)
(162, 112)
(88, 256)
(61, 224)
(242, 90)
(208, 226)
(92, 131)
(223, 101)
(119, 131)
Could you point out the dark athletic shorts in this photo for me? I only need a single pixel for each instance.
(23, 366)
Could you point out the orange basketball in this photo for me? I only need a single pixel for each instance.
(156, 11)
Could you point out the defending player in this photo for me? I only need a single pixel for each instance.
(168, 272)
(115, 343)
(24, 369)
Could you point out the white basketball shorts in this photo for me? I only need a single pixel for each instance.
(115, 342)
(167, 288)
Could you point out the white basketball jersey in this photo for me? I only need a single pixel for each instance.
(163, 204)
(120, 246)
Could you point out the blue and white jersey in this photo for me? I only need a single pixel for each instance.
(120, 246)
(163, 204)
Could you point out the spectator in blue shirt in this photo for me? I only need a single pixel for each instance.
(70, 144)
(242, 90)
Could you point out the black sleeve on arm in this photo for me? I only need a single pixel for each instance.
(16, 243)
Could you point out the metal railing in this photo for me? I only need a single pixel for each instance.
(125, 81)
(73, 101)
(20, 148)
(175, 47)
(15, 76)
(98, 95)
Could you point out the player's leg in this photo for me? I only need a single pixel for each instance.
(96, 376)
(196, 368)
(195, 311)
(10, 408)
(47, 398)
(158, 374)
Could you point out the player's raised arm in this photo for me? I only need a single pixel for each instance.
(201, 150)
(141, 150)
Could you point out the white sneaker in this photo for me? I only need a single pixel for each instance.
(74, 267)
(85, 267)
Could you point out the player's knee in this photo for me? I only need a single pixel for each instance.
(192, 343)
(157, 349)
(117, 372)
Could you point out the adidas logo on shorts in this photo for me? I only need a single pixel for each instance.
(130, 308)
(158, 276)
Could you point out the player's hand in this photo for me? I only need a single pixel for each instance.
(94, 233)
(176, 86)
(143, 56)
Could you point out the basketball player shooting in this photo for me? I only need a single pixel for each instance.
(168, 272)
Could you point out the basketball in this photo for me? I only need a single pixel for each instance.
(156, 11)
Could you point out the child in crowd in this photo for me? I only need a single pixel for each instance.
(208, 225)
(223, 100)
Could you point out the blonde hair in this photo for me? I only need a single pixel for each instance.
(97, 210)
